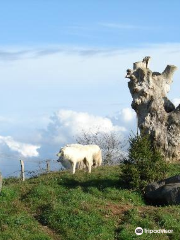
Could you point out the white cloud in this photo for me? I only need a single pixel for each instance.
(126, 117)
(40, 81)
(83, 79)
(128, 114)
(24, 149)
(77, 121)
(66, 125)
(176, 101)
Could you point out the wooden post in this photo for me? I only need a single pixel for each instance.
(48, 166)
(22, 170)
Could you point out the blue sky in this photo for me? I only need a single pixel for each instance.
(91, 23)
(63, 63)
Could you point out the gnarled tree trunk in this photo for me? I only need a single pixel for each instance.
(156, 114)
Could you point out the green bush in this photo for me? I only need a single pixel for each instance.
(144, 164)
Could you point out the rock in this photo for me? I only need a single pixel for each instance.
(156, 114)
(0, 182)
(165, 192)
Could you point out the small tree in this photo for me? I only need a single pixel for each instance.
(109, 142)
(144, 164)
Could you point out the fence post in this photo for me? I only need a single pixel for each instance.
(22, 170)
(48, 166)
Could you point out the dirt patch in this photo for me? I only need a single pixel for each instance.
(118, 209)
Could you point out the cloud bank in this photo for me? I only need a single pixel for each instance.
(9, 145)
(86, 80)
(63, 128)
(66, 125)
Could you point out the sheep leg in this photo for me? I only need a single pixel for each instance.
(89, 168)
(73, 168)
(89, 164)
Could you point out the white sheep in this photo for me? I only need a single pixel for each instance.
(82, 156)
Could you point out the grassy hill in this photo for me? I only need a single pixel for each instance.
(83, 206)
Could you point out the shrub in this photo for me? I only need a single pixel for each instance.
(144, 163)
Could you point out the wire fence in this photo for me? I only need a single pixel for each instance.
(29, 168)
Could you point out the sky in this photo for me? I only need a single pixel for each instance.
(63, 67)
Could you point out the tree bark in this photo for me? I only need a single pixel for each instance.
(156, 114)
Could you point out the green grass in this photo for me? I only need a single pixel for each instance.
(83, 206)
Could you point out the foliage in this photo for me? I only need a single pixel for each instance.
(144, 164)
(111, 144)
(97, 206)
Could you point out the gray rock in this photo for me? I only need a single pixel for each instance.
(156, 114)
(166, 192)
